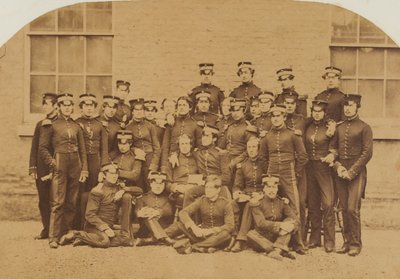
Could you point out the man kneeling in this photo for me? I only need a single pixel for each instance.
(216, 221)
(274, 222)
(101, 211)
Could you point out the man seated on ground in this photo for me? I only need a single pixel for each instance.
(215, 225)
(274, 221)
(101, 211)
(155, 212)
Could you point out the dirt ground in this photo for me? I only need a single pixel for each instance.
(23, 257)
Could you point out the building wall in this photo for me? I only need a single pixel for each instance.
(158, 45)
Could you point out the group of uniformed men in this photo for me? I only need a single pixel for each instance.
(213, 172)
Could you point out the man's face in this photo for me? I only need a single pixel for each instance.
(109, 110)
(290, 105)
(255, 110)
(286, 82)
(237, 113)
(66, 109)
(138, 112)
(252, 148)
(184, 145)
(203, 104)
(211, 191)
(271, 190)
(331, 81)
(169, 106)
(265, 104)
(277, 119)
(226, 107)
(48, 106)
(317, 113)
(122, 91)
(157, 187)
(88, 109)
(206, 76)
(245, 74)
(206, 138)
(183, 107)
(124, 146)
(350, 109)
(149, 113)
(112, 175)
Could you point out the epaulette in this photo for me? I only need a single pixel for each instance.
(252, 128)
(284, 200)
(46, 122)
(297, 132)
(340, 122)
(81, 125)
(104, 123)
(195, 149)
(200, 123)
(239, 165)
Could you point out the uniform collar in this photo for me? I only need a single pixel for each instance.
(54, 117)
(249, 83)
(278, 128)
(352, 118)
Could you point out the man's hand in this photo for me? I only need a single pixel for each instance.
(140, 154)
(263, 133)
(208, 232)
(287, 227)
(83, 176)
(343, 173)
(118, 195)
(170, 119)
(109, 232)
(47, 177)
(33, 173)
(173, 160)
(331, 125)
(198, 232)
(329, 159)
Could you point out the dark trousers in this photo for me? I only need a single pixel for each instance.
(266, 241)
(288, 188)
(321, 195)
(246, 223)
(64, 193)
(43, 188)
(153, 227)
(350, 194)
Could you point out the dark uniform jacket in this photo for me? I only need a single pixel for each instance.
(160, 202)
(123, 114)
(280, 145)
(180, 174)
(353, 140)
(35, 162)
(145, 138)
(95, 136)
(317, 143)
(268, 215)
(65, 136)
(263, 123)
(129, 167)
(212, 214)
(248, 175)
(205, 118)
(296, 121)
(334, 97)
(217, 95)
(222, 125)
(246, 91)
(111, 126)
(159, 131)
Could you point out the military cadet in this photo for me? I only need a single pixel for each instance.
(124, 112)
(332, 94)
(216, 94)
(286, 78)
(247, 184)
(353, 142)
(183, 177)
(184, 124)
(145, 138)
(263, 123)
(319, 178)
(215, 221)
(102, 208)
(111, 126)
(37, 167)
(203, 115)
(150, 111)
(274, 221)
(155, 212)
(255, 110)
(286, 156)
(62, 148)
(225, 118)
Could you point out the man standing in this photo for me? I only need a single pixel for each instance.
(263, 123)
(216, 94)
(107, 118)
(65, 138)
(37, 167)
(353, 141)
(124, 113)
(203, 116)
(150, 112)
(332, 94)
(225, 118)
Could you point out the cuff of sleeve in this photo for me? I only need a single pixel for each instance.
(85, 172)
(103, 227)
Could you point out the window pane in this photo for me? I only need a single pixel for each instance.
(392, 98)
(46, 22)
(73, 85)
(43, 53)
(370, 62)
(70, 18)
(369, 33)
(345, 59)
(71, 54)
(372, 98)
(344, 26)
(99, 86)
(348, 85)
(393, 63)
(38, 86)
(99, 54)
(99, 17)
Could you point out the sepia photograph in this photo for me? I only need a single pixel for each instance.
(199, 139)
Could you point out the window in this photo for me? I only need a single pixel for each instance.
(70, 50)
(370, 61)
